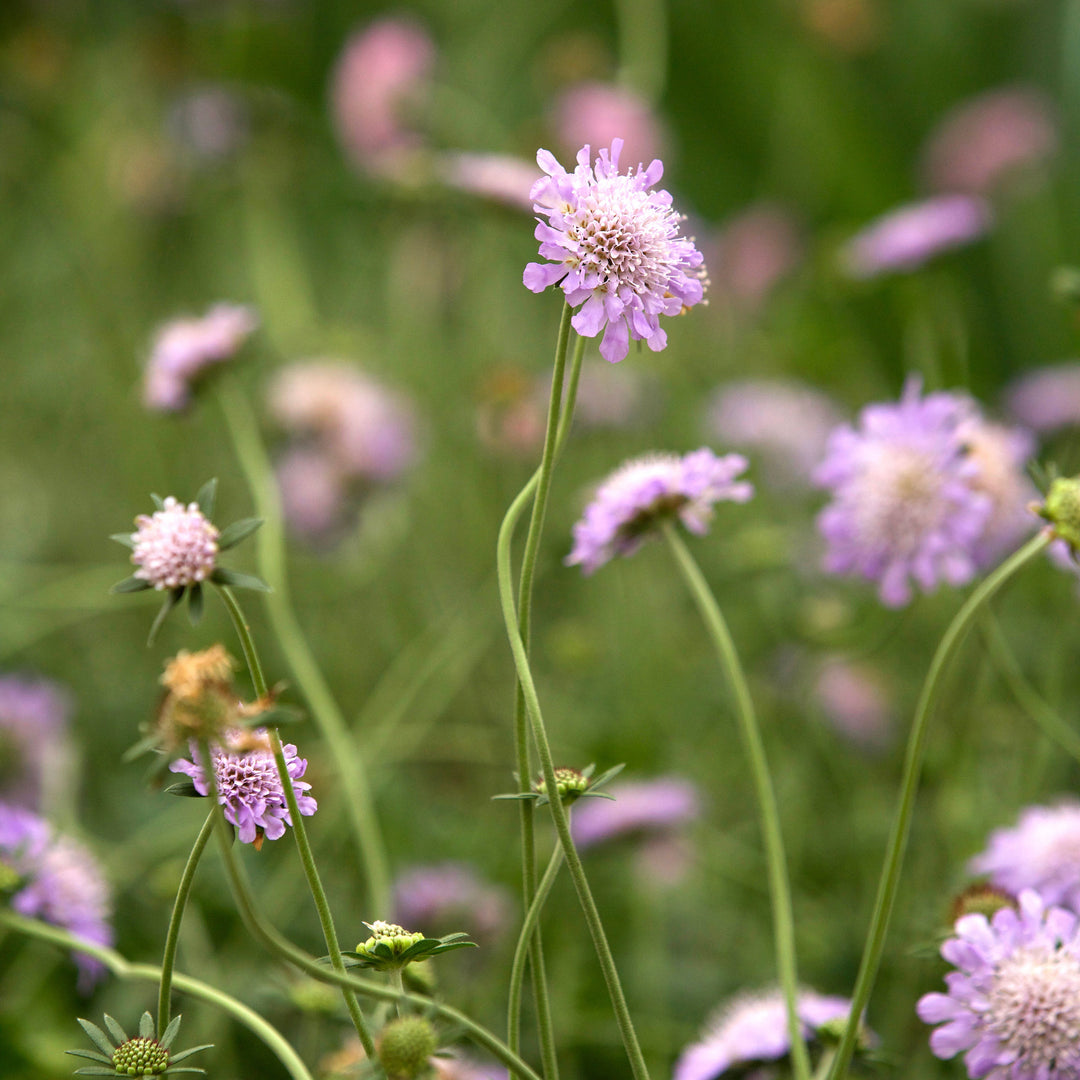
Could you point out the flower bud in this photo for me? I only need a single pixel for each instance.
(140, 1057)
(405, 1047)
(569, 783)
(1062, 510)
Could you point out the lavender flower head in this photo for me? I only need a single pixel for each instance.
(1013, 1004)
(175, 546)
(904, 504)
(633, 500)
(638, 807)
(911, 235)
(598, 113)
(1047, 398)
(1040, 852)
(615, 249)
(854, 700)
(60, 882)
(448, 895)
(33, 726)
(184, 348)
(752, 1028)
(501, 177)
(248, 784)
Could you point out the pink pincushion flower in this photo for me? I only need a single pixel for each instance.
(597, 113)
(638, 807)
(175, 546)
(615, 250)
(854, 699)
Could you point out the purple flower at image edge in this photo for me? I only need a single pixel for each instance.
(615, 250)
(1013, 1003)
(33, 732)
(634, 499)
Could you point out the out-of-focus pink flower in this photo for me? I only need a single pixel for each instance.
(1047, 398)
(382, 75)
(448, 897)
(500, 177)
(639, 807)
(754, 251)
(313, 492)
(209, 121)
(854, 700)
(595, 113)
(983, 139)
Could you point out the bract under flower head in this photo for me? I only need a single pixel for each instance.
(905, 500)
(615, 249)
(1013, 1004)
(633, 501)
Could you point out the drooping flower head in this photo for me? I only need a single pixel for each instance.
(248, 784)
(58, 880)
(752, 1029)
(615, 249)
(905, 504)
(1041, 852)
(631, 503)
(175, 546)
(1013, 1004)
(33, 729)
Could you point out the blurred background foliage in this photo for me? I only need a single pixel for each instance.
(113, 220)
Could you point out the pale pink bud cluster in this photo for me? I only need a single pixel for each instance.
(174, 547)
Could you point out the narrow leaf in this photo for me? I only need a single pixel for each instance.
(455, 945)
(170, 1033)
(186, 789)
(94, 1070)
(222, 576)
(174, 598)
(187, 1053)
(115, 1030)
(195, 603)
(232, 534)
(131, 584)
(158, 501)
(97, 1037)
(206, 496)
(461, 935)
(425, 945)
(90, 1055)
(188, 1068)
(123, 538)
(146, 1026)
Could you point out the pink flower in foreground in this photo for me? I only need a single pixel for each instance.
(175, 546)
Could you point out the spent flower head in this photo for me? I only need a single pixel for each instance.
(637, 498)
(614, 249)
(119, 1054)
(1013, 1004)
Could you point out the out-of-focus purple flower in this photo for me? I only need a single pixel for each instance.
(1046, 399)
(639, 807)
(752, 1029)
(615, 249)
(314, 492)
(60, 883)
(33, 727)
(631, 503)
(1041, 852)
(987, 137)
(907, 237)
(209, 121)
(854, 700)
(175, 546)
(459, 1068)
(184, 348)
(597, 113)
(1013, 1004)
(447, 897)
(787, 421)
(248, 784)
(754, 251)
(382, 77)
(500, 177)
(904, 504)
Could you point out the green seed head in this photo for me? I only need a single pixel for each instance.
(140, 1057)
(405, 1047)
(1062, 509)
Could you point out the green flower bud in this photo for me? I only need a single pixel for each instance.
(140, 1057)
(1062, 510)
(569, 783)
(405, 1047)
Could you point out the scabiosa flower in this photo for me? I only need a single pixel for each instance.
(33, 729)
(904, 502)
(119, 1054)
(1047, 398)
(59, 881)
(854, 700)
(248, 784)
(752, 1029)
(632, 502)
(1041, 852)
(907, 237)
(175, 546)
(636, 807)
(184, 348)
(615, 249)
(597, 113)
(1014, 1001)
(754, 251)
(448, 894)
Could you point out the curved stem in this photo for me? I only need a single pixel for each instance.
(894, 852)
(517, 970)
(247, 642)
(172, 938)
(124, 969)
(270, 542)
(749, 729)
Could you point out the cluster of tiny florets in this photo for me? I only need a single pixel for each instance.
(140, 1057)
(174, 547)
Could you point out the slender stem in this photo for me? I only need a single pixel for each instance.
(172, 938)
(517, 971)
(749, 729)
(397, 981)
(270, 542)
(124, 969)
(277, 944)
(307, 859)
(894, 852)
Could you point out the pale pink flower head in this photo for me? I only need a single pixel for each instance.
(1047, 398)
(596, 113)
(175, 546)
(754, 251)
(314, 492)
(445, 897)
(500, 177)
(614, 249)
(984, 139)
(185, 348)
(382, 77)
(854, 700)
(638, 808)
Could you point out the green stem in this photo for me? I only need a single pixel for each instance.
(643, 40)
(124, 969)
(749, 729)
(397, 981)
(270, 541)
(277, 944)
(894, 852)
(307, 859)
(517, 970)
(172, 938)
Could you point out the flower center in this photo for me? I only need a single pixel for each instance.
(1035, 1008)
(899, 499)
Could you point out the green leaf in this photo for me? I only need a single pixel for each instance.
(456, 945)
(519, 795)
(90, 1055)
(174, 598)
(148, 742)
(232, 534)
(206, 496)
(158, 501)
(424, 945)
(123, 538)
(186, 1068)
(446, 939)
(187, 1053)
(186, 789)
(131, 584)
(94, 1070)
(115, 1030)
(170, 1032)
(221, 576)
(275, 716)
(604, 777)
(146, 1026)
(195, 603)
(97, 1037)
